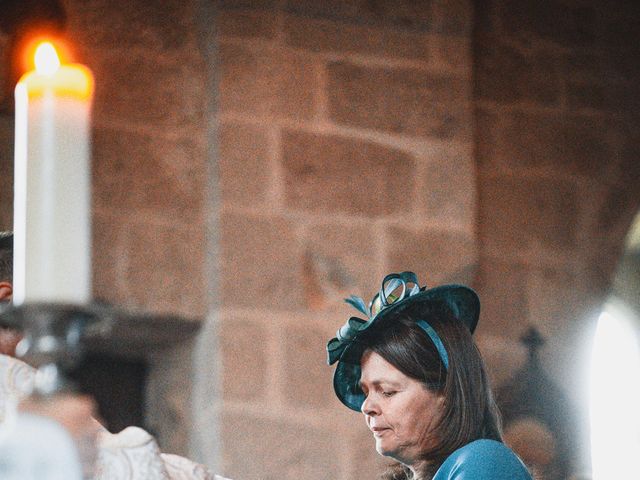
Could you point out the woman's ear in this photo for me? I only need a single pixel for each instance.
(6, 291)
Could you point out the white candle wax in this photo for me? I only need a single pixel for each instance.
(52, 228)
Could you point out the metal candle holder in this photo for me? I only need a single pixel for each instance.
(53, 337)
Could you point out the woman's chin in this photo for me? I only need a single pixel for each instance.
(383, 449)
(394, 452)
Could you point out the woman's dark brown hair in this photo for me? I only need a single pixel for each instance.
(469, 411)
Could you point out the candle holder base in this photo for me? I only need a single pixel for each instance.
(53, 335)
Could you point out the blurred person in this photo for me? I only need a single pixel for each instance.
(416, 375)
(6, 266)
(9, 338)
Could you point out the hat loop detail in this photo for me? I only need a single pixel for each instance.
(383, 299)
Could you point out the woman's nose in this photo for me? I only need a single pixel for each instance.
(369, 406)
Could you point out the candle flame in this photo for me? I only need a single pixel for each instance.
(46, 59)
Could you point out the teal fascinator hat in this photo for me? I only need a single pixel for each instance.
(398, 292)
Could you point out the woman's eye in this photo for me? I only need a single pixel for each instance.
(388, 393)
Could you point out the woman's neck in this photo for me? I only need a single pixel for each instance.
(418, 470)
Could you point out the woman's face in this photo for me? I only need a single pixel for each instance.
(399, 410)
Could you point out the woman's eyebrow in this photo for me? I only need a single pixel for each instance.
(383, 381)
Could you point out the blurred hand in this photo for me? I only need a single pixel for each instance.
(8, 340)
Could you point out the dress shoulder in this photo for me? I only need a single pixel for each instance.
(483, 460)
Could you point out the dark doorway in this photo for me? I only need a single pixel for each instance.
(118, 387)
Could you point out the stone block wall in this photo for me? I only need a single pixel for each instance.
(555, 95)
(6, 145)
(149, 164)
(150, 178)
(345, 152)
(555, 108)
(6, 173)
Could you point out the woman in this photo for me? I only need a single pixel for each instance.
(414, 372)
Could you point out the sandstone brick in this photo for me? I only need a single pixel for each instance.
(6, 219)
(554, 300)
(261, 4)
(454, 51)
(271, 81)
(586, 95)
(243, 357)
(502, 355)
(244, 164)
(506, 74)
(624, 98)
(152, 25)
(495, 65)
(436, 257)
(145, 90)
(573, 145)
(527, 140)
(261, 449)
(628, 143)
(149, 175)
(572, 25)
(540, 78)
(326, 173)
(6, 174)
(516, 213)
(606, 96)
(165, 270)
(4, 68)
(408, 14)
(320, 35)
(488, 137)
(307, 379)
(619, 62)
(486, 21)
(453, 17)
(618, 26)
(584, 64)
(447, 191)
(587, 148)
(247, 23)
(406, 101)
(342, 260)
(108, 250)
(260, 263)
(502, 288)
(618, 206)
(7, 131)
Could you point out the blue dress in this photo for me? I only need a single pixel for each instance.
(483, 460)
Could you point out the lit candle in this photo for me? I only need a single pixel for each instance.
(52, 227)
